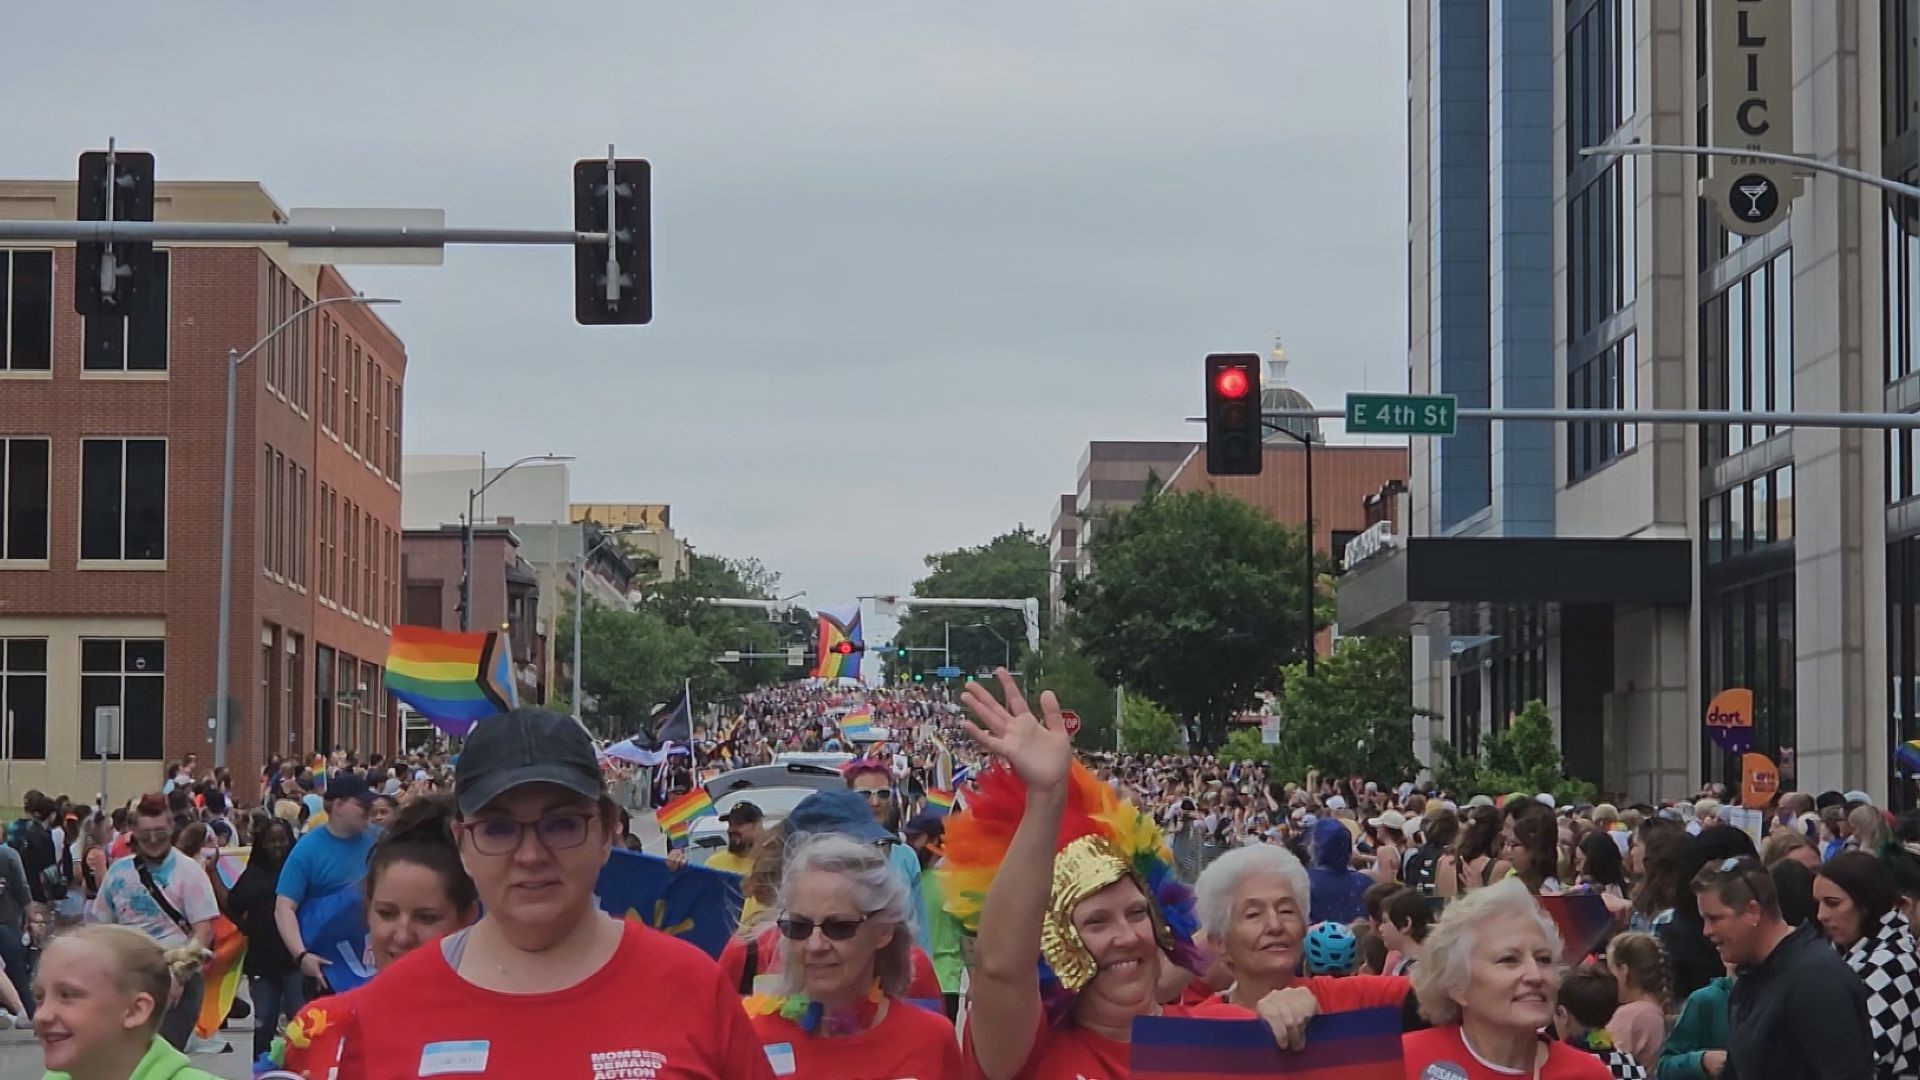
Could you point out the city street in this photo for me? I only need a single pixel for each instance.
(20, 1057)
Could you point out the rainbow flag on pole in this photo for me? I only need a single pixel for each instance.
(454, 680)
(939, 802)
(222, 974)
(1909, 756)
(676, 818)
(1360, 1045)
(857, 726)
(840, 643)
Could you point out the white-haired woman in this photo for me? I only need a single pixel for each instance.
(1486, 980)
(841, 1009)
(1253, 904)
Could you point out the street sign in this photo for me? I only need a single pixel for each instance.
(106, 729)
(1072, 721)
(1402, 414)
(949, 672)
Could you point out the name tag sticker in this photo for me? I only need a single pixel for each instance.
(444, 1058)
(780, 1058)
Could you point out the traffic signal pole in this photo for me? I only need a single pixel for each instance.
(297, 236)
(1760, 417)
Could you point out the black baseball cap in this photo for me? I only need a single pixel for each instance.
(346, 784)
(524, 746)
(744, 813)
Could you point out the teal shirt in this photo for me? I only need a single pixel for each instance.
(1702, 1027)
(162, 1062)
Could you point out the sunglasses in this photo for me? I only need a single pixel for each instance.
(799, 929)
(877, 795)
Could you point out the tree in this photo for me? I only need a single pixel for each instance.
(1194, 600)
(1146, 728)
(1524, 758)
(684, 603)
(1355, 716)
(1071, 677)
(1012, 565)
(631, 661)
(1245, 744)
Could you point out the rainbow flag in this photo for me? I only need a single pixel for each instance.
(1360, 1045)
(222, 974)
(1582, 919)
(939, 802)
(454, 680)
(840, 630)
(858, 726)
(676, 818)
(1908, 756)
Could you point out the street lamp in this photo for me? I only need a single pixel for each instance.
(1005, 645)
(234, 359)
(466, 530)
(579, 603)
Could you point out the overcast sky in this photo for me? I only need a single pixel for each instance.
(909, 258)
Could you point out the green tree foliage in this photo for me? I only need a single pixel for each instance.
(1147, 728)
(683, 603)
(1012, 566)
(1355, 716)
(1194, 600)
(1245, 744)
(1523, 758)
(630, 662)
(1072, 679)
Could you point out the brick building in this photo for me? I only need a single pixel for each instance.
(110, 488)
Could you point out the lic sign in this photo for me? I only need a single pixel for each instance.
(1750, 107)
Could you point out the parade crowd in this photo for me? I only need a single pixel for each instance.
(975, 900)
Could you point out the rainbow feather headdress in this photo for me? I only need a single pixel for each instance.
(1102, 839)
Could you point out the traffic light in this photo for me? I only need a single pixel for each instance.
(1233, 414)
(115, 185)
(844, 648)
(629, 219)
(920, 676)
(901, 652)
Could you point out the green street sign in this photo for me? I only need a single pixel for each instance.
(1401, 414)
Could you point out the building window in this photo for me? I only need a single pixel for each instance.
(350, 552)
(272, 359)
(24, 480)
(330, 381)
(369, 439)
(302, 533)
(270, 518)
(1746, 354)
(26, 310)
(136, 341)
(23, 696)
(1747, 635)
(351, 406)
(1608, 380)
(392, 445)
(370, 562)
(1601, 40)
(130, 673)
(123, 499)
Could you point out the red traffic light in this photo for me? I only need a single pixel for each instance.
(1232, 383)
(845, 648)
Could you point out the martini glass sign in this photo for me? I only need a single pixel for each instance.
(1730, 720)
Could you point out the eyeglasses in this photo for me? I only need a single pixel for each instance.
(799, 929)
(502, 836)
(877, 794)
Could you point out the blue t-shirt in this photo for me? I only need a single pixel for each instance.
(322, 863)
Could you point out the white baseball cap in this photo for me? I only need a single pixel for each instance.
(1335, 802)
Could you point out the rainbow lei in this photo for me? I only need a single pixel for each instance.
(811, 1016)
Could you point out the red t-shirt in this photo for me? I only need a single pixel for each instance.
(1440, 1054)
(907, 1044)
(1080, 1054)
(1347, 993)
(925, 987)
(656, 1008)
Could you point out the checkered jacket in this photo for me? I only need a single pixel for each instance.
(1890, 966)
(1621, 1064)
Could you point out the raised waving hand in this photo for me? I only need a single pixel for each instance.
(1037, 747)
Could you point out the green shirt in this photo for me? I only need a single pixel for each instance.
(162, 1062)
(1702, 1027)
(943, 934)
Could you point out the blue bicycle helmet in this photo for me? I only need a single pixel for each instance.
(1331, 949)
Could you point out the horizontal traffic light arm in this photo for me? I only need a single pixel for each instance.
(245, 232)
(1783, 418)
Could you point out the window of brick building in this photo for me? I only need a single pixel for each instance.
(130, 673)
(23, 695)
(24, 480)
(26, 310)
(123, 499)
(136, 341)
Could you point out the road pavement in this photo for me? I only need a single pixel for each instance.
(20, 1057)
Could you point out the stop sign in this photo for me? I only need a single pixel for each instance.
(1072, 720)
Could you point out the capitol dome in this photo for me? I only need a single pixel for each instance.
(1277, 393)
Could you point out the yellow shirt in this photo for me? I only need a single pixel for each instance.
(727, 860)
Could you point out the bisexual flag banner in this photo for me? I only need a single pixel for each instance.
(1583, 921)
(1360, 1045)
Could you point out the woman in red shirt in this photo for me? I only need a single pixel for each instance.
(544, 984)
(839, 1011)
(1072, 875)
(1487, 979)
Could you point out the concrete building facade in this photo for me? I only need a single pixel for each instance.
(110, 491)
(1779, 560)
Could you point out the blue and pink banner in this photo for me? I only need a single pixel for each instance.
(1360, 1045)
